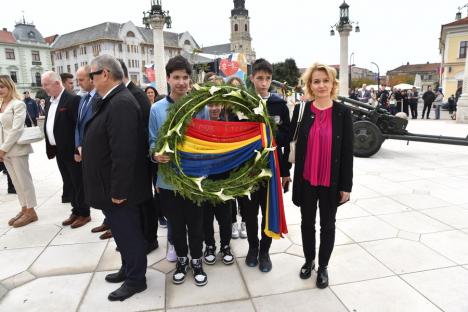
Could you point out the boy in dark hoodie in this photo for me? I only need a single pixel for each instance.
(258, 252)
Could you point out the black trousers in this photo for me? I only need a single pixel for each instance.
(72, 174)
(414, 110)
(322, 195)
(149, 220)
(427, 106)
(184, 217)
(405, 108)
(234, 207)
(222, 212)
(251, 208)
(125, 224)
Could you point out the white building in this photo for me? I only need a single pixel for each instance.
(130, 43)
(24, 55)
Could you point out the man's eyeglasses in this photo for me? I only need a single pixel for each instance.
(97, 72)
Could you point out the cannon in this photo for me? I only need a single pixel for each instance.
(373, 125)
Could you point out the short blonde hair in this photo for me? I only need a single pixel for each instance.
(6, 81)
(307, 78)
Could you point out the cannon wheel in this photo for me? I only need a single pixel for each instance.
(367, 138)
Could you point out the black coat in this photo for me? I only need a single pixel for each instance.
(64, 127)
(115, 164)
(342, 150)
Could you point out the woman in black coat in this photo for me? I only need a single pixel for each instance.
(323, 172)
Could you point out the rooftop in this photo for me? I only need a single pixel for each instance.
(7, 36)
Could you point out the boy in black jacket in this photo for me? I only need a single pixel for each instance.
(261, 78)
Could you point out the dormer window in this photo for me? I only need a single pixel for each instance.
(31, 35)
(187, 42)
(130, 34)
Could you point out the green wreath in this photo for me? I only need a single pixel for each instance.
(241, 181)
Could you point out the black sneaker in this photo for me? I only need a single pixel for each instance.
(264, 262)
(181, 270)
(198, 274)
(226, 254)
(209, 255)
(252, 257)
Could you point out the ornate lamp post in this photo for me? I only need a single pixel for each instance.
(462, 104)
(344, 27)
(157, 18)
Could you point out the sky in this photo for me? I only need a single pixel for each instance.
(392, 32)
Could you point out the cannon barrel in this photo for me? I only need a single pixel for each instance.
(363, 105)
(438, 139)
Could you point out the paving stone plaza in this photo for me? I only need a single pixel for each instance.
(401, 245)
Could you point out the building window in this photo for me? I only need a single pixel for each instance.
(68, 69)
(143, 63)
(142, 50)
(130, 34)
(245, 27)
(463, 45)
(9, 54)
(66, 55)
(74, 52)
(120, 47)
(36, 56)
(187, 42)
(76, 67)
(96, 49)
(31, 35)
(129, 63)
(13, 76)
(37, 77)
(236, 27)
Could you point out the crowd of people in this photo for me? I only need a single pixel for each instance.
(397, 100)
(101, 142)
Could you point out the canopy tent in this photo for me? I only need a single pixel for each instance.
(403, 86)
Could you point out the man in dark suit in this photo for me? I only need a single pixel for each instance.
(116, 171)
(149, 211)
(32, 109)
(59, 129)
(85, 111)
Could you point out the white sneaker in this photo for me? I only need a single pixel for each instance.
(171, 255)
(243, 230)
(235, 231)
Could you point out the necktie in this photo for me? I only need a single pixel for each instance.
(85, 104)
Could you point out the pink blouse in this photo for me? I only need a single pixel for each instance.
(317, 167)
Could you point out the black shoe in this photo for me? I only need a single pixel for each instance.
(117, 277)
(306, 270)
(264, 262)
(11, 190)
(152, 246)
(322, 277)
(198, 274)
(252, 257)
(181, 270)
(209, 256)
(125, 292)
(226, 255)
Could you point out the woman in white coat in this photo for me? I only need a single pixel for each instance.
(16, 156)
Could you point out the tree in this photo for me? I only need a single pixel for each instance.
(286, 71)
(397, 79)
(358, 82)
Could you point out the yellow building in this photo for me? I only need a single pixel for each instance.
(453, 47)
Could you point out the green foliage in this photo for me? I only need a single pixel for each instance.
(286, 71)
(241, 181)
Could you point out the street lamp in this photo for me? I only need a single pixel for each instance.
(462, 104)
(378, 76)
(344, 26)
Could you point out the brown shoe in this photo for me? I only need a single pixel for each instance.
(103, 227)
(27, 217)
(72, 218)
(106, 235)
(80, 221)
(12, 220)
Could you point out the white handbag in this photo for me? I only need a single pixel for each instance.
(292, 144)
(30, 134)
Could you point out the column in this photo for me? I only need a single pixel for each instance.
(462, 105)
(344, 69)
(157, 23)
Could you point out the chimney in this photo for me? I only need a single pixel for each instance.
(4, 29)
(407, 63)
(427, 62)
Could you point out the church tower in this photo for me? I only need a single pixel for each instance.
(241, 41)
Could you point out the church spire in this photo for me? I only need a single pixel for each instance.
(239, 8)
